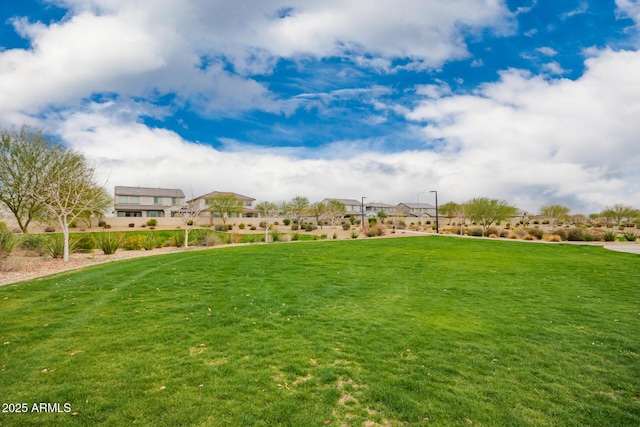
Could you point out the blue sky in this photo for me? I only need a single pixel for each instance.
(533, 102)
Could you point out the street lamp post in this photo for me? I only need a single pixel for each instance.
(362, 211)
(418, 197)
(437, 225)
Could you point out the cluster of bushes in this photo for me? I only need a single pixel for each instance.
(575, 234)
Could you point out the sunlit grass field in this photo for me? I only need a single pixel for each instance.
(425, 331)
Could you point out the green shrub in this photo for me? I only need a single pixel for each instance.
(152, 222)
(588, 236)
(286, 221)
(536, 232)
(295, 236)
(401, 225)
(85, 243)
(34, 244)
(475, 231)
(575, 235)
(276, 236)
(132, 243)
(294, 227)
(54, 245)
(609, 236)
(241, 226)
(631, 236)
(177, 239)
(492, 230)
(109, 242)
(131, 225)
(8, 242)
(150, 241)
(373, 221)
(354, 234)
(222, 227)
(346, 226)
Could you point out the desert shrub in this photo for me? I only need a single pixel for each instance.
(252, 238)
(553, 238)
(492, 230)
(286, 221)
(294, 227)
(176, 239)
(295, 236)
(33, 243)
(373, 221)
(562, 233)
(536, 232)
(589, 236)
(504, 233)
(609, 236)
(631, 236)
(528, 236)
(309, 226)
(54, 246)
(49, 230)
(354, 234)
(346, 226)
(241, 226)
(109, 242)
(493, 236)
(575, 235)
(85, 243)
(131, 225)
(8, 242)
(401, 225)
(222, 227)
(132, 243)
(206, 238)
(475, 231)
(3, 225)
(152, 222)
(380, 230)
(275, 235)
(150, 241)
(231, 238)
(252, 228)
(323, 236)
(371, 232)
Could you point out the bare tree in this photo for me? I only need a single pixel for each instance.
(554, 213)
(267, 210)
(67, 189)
(335, 211)
(188, 214)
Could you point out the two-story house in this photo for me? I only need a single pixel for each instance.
(146, 201)
(417, 209)
(247, 209)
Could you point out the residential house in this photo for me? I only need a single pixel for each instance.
(146, 201)
(417, 209)
(248, 211)
(372, 209)
(352, 206)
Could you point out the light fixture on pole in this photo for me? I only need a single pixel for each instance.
(437, 225)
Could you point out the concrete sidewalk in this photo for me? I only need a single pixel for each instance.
(633, 248)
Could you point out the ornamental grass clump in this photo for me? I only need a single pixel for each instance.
(8, 242)
(631, 236)
(150, 241)
(109, 242)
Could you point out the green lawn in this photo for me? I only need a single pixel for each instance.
(427, 331)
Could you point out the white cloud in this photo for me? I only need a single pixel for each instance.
(630, 8)
(572, 140)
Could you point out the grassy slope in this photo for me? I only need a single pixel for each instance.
(398, 330)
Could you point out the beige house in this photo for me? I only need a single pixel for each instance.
(417, 209)
(248, 211)
(146, 201)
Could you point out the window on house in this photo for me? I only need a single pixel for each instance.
(129, 199)
(157, 200)
(175, 201)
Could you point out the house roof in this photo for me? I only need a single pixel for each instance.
(148, 191)
(418, 205)
(225, 193)
(350, 202)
